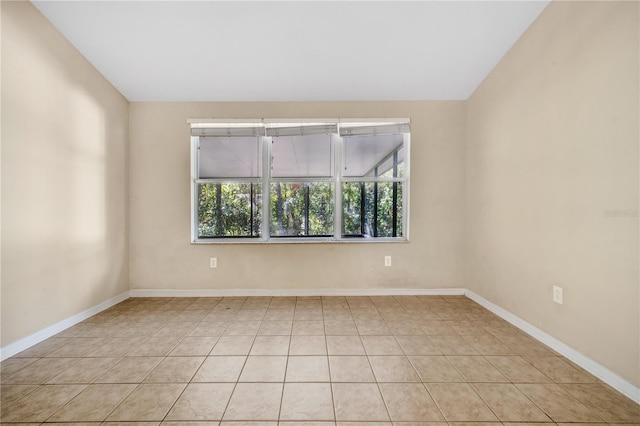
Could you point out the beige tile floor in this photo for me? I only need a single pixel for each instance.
(301, 361)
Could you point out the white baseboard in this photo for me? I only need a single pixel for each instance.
(297, 292)
(56, 328)
(598, 370)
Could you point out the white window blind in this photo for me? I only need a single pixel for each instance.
(373, 129)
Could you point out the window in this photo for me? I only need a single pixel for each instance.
(260, 180)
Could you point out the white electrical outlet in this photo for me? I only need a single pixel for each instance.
(387, 261)
(557, 294)
(213, 262)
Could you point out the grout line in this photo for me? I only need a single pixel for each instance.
(386, 407)
(286, 368)
(326, 345)
(235, 385)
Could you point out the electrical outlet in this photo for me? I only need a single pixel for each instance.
(387, 261)
(557, 294)
(213, 262)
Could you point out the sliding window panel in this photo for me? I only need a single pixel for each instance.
(302, 156)
(369, 155)
(229, 209)
(372, 209)
(301, 209)
(229, 157)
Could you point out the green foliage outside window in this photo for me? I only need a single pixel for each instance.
(377, 222)
(235, 209)
(301, 209)
(229, 210)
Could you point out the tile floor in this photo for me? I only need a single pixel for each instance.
(300, 361)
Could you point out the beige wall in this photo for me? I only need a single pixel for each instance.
(64, 178)
(552, 154)
(163, 258)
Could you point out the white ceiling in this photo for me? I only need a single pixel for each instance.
(292, 51)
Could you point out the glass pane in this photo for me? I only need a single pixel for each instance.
(229, 210)
(301, 209)
(385, 169)
(301, 156)
(385, 217)
(229, 157)
(353, 215)
(363, 154)
(372, 209)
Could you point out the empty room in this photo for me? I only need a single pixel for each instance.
(344, 213)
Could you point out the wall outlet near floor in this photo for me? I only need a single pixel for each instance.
(557, 294)
(387, 261)
(213, 262)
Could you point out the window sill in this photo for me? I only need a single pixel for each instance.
(293, 240)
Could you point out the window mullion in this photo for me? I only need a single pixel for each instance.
(194, 187)
(375, 205)
(363, 208)
(405, 184)
(266, 187)
(302, 180)
(373, 179)
(394, 224)
(229, 180)
(337, 193)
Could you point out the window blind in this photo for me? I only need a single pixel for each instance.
(375, 129)
(301, 129)
(227, 131)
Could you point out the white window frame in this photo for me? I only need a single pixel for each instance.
(265, 180)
